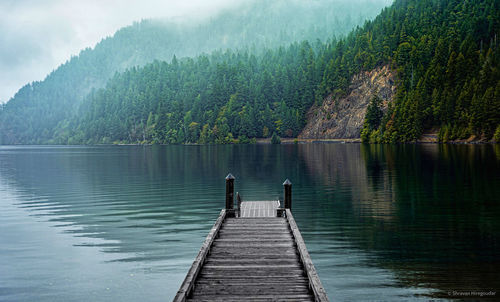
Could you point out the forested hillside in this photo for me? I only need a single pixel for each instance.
(444, 53)
(36, 110)
(447, 57)
(211, 99)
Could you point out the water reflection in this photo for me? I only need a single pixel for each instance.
(429, 213)
(381, 222)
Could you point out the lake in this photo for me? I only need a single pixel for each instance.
(124, 223)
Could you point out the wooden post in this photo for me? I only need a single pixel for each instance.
(287, 185)
(229, 191)
(238, 199)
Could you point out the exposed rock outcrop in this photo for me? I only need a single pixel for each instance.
(344, 117)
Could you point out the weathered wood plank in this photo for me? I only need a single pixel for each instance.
(242, 273)
(277, 290)
(277, 227)
(261, 245)
(253, 251)
(256, 288)
(257, 224)
(230, 250)
(249, 235)
(293, 256)
(259, 208)
(254, 269)
(216, 251)
(254, 219)
(257, 267)
(234, 261)
(194, 271)
(315, 282)
(229, 231)
(253, 282)
(253, 259)
(255, 240)
(244, 299)
(258, 237)
(223, 234)
(256, 232)
(282, 298)
(252, 225)
(254, 279)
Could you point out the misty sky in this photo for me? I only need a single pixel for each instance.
(36, 36)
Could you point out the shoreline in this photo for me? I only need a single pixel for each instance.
(312, 141)
(290, 141)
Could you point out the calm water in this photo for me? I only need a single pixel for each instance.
(125, 223)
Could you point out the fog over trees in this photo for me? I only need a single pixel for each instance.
(445, 55)
(32, 115)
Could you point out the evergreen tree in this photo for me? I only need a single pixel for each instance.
(275, 139)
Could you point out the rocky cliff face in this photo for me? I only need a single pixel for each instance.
(344, 117)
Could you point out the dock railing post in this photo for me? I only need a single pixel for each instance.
(287, 185)
(229, 191)
(238, 200)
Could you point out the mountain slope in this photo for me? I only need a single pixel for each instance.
(209, 99)
(444, 54)
(32, 115)
(343, 117)
(447, 59)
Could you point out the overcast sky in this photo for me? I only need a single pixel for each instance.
(36, 36)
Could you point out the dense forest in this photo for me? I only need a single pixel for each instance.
(34, 113)
(445, 54)
(210, 99)
(447, 58)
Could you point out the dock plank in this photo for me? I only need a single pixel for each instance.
(255, 257)
(259, 208)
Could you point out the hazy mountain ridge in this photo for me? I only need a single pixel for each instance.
(444, 54)
(34, 112)
(447, 60)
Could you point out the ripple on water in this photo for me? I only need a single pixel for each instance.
(125, 223)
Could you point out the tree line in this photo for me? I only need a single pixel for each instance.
(447, 59)
(445, 54)
(35, 113)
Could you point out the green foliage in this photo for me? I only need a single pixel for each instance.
(375, 137)
(243, 139)
(373, 118)
(374, 113)
(496, 136)
(445, 53)
(447, 59)
(444, 134)
(365, 134)
(275, 139)
(208, 99)
(35, 113)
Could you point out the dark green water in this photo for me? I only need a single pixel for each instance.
(125, 223)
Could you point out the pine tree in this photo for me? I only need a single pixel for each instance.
(275, 139)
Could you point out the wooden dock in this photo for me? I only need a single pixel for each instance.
(253, 253)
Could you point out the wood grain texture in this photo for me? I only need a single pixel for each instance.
(259, 208)
(253, 259)
(187, 285)
(315, 282)
(256, 257)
